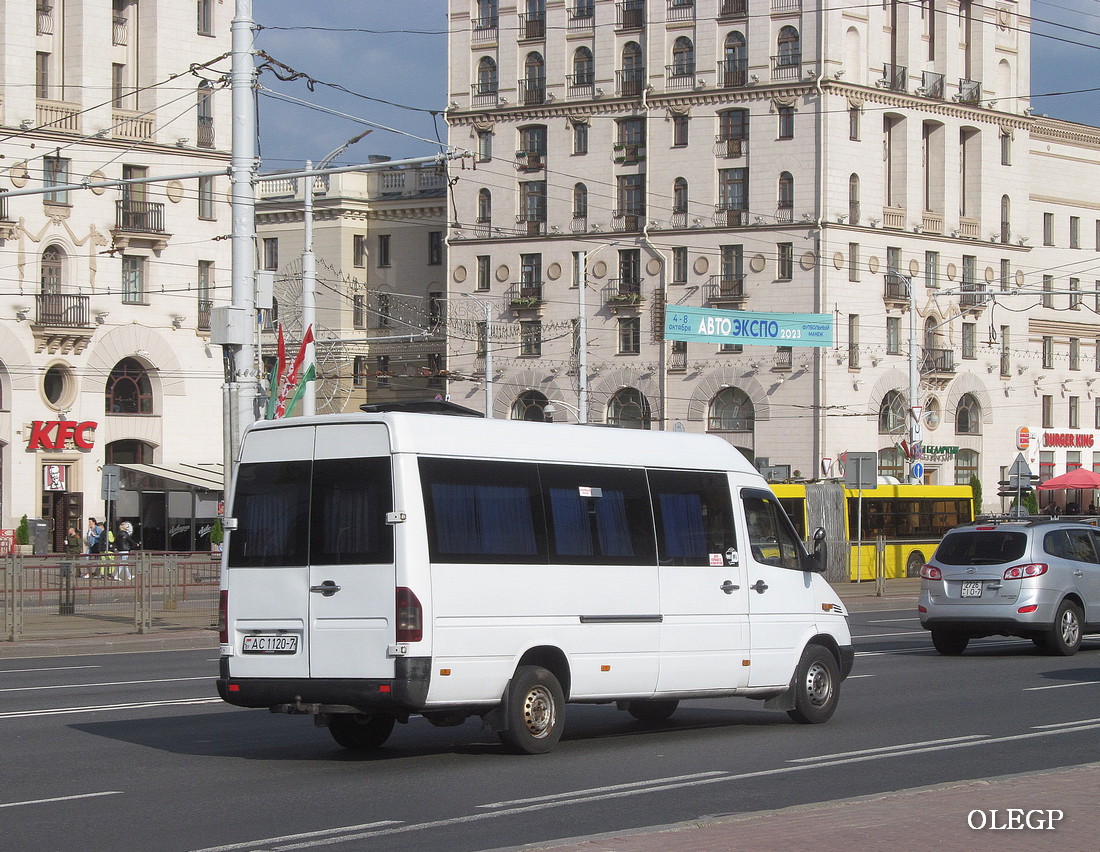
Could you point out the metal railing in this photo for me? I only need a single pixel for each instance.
(143, 217)
(61, 310)
(60, 596)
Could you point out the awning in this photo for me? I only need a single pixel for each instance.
(208, 477)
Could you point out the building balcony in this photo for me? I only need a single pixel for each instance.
(896, 290)
(626, 220)
(532, 91)
(895, 78)
(530, 161)
(630, 82)
(44, 18)
(129, 124)
(530, 225)
(680, 76)
(525, 297)
(893, 218)
(580, 86)
(582, 17)
(969, 228)
(932, 223)
(786, 6)
(937, 362)
(204, 309)
(623, 293)
(57, 115)
(680, 10)
(484, 94)
(932, 86)
(784, 214)
(139, 221)
(724, 290)
(970, 92)
(729, 217)
(532, 26)
(483, 30)
(733, 9)
(733, 73)
(973, 297)
(677, 361)
(204, 130)
(628, 154)
(630, 14)
(787, 67)
(120, 31)
(62, 310)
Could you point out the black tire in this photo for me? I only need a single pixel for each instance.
(535, 713)
(816, 686)
(1064, 637)
(914, 564)
(950, 643)
(652, 709)
(360, 732)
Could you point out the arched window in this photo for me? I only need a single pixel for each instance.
(853, 200)
(966, 467)
(731, 410)
(968, 416)
(486, 76)
(892, 413)
(484, 207)
(1006, 219)
(789, 47)
(205, 115)
(129, 452)
(129, 390)
(530, 405)
(583, 67)
(733, 70)
(929, 336)
(633, 74)
(53, 265)
(679, 195)
(580, 201)
(683, 57)
(786, 191)
(891, 462)
(628, 408)
(534, 79)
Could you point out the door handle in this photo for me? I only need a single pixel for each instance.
(759, 586)
(327, 588)
(729, 587)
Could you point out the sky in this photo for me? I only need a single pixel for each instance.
(395, 52)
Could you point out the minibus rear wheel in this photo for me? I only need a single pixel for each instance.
(534, 711)
(816, 686)
(360, 732)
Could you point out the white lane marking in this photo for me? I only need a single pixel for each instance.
(891, 620)
(884, 749)
(60, 799)
(50, 669)
(656, 787)
(630, 786)
(111, 683)
(250, 844)
(100, 708)
(1062, 685)
(1063, 724)
(857, 677)
(888, 635)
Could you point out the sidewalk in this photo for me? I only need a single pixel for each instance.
(924, 818)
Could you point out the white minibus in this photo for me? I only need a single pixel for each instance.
(390, 565)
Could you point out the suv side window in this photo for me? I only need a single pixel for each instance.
(772, 540)
(1081, 546)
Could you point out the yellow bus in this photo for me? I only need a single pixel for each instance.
(911, 519)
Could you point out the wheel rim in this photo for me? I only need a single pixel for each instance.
(1071, 630)
(539, 712)
(819, 684)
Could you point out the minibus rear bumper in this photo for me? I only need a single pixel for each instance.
(407, 690)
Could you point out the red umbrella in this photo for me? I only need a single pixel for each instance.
(1079, 478)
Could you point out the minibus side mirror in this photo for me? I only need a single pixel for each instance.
(817, 562)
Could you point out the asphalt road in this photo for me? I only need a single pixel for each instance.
(134, 751)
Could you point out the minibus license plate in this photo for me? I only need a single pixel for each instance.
(972, 589)
(260, 644)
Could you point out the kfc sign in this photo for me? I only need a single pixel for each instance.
(53, 434)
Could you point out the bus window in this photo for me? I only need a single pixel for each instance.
(694, 516)
(795, 507)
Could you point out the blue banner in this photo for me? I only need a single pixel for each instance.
(711, 325)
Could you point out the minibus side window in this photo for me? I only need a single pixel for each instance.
(481, 511)
(348, 519)
(271, 505)
(694, 516)
(598, 515)
(772, 540)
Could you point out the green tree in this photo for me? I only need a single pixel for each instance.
(23, 531)
(976, 486)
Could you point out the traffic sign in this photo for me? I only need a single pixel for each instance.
(918, 470)
(861, 470)
(1020, 467)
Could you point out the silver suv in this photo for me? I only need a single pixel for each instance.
(1039, 579)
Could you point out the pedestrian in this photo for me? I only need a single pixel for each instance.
(124, 543)
(74, 545)
(91, 539)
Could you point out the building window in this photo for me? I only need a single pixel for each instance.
(892, 413)
(484, 146)
(204, 115)
(580, 137)
(630, 335)
(1047, 410)
(853, 261)
(55, 172)
(893, 335)
(853, 341)
(679, 131)
(486, 77)
(42, 76)
(359, 371)
(1075, 353)
(1006, 353)
(853, 123)
(358, 250)
(129, 390)
(1048, 352)
(133, 279)
(580, 201)
(383, 310)
(383, 371)
(969, 341)
(435, 248)
(785, 203)
(531, 406)
(679, 265)
(206, 198)
(271, 253)
(1096, 425)
(853, 200)
(1075, 412)
(680, 196)
(383, 250)
(731, 410)
(784, 261)
(530, 338)
(206, 17)
(966, 466)
(786, 122)
(1074, 294)
(1075, 232)
(483, 272)
(1048, 229)
(1048, 291)
(359, 310)
(968, 416)
(629, 409)
(931, 269)
(1006, 272)
(1006, 149)
(584, 67)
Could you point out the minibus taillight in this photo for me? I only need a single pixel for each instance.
(410, 616)
(223, 616)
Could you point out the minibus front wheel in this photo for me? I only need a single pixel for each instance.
(360, 732)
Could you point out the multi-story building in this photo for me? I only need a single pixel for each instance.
(378, 243)
(877, 163)
(105, 313)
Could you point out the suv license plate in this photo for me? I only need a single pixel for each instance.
(971, 589)
(267, 644)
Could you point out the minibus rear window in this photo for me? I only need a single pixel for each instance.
(271, 505)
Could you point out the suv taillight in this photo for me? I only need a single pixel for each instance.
(223, 617)
(930, 572)
(410, 616)
(1019, 572)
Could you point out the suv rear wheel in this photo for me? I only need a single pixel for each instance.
(1064, 637)
(950, 643)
